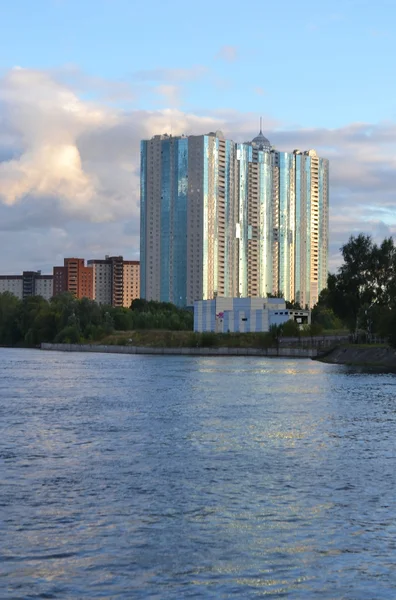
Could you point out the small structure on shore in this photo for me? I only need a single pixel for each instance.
(223, 315)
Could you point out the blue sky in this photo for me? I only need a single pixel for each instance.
(318, 64)
(80, 77)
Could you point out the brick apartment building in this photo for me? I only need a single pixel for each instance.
(74, 277)
(113, 281)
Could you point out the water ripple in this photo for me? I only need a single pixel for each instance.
(183, 477)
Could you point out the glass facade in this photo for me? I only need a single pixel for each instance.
(173, 236)
(323, 221)
(297, 239)
(307, 230)
(243, 156)
(179, 223)
(205, 219)
(266, 224)
(229, 230)
(143, 250)
(249, 220)
(166, 232)
(286, 223)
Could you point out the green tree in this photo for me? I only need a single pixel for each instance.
(291, 329)
(139, 304)
(69, 335)
(366, 277)
(275, 334)
(293, 305)
(10, 332)
(123, 319)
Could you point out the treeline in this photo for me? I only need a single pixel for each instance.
(362, 294)
(64, 319)
(361, 297)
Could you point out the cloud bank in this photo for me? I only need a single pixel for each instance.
(69, 168)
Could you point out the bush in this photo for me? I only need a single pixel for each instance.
(208, 339)
(193, 340)
(263, 340)
(291, 329)
(69, 335)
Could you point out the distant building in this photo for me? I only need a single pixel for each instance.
(36, 284)
(116, 281)
(30, 283)
(73, 277)
(12, 284)
(113, 281)
(223, 315)
(226, 219)
(131, 281)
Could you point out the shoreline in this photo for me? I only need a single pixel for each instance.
(114, 349)
(379, 357)
(373, 357)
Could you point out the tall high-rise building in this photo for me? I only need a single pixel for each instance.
(234, 220)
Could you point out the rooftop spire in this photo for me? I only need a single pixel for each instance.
(260, 141)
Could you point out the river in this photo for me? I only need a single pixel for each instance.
(183, 477)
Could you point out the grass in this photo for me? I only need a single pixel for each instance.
(339, 332)
(160, 338)
(187, 339)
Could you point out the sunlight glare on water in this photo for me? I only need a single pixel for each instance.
(177, 477)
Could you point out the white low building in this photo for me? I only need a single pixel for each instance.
(223, 315)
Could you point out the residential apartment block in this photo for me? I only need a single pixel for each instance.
(73, 277)
(12, 284)
(116, 281)
(113, 281)
(231, 220)
(131, 282)
(30, 283)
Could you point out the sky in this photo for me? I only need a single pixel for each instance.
(83, 81)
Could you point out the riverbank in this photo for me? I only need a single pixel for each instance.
(364, 356)
(115, 349)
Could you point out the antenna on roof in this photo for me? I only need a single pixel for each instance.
(261, 125)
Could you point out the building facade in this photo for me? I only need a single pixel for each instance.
(131, 290)
(30, 283)
(12, 284)
(43, 286)
(116, 281)
(231, 220)
(73, 277)
(245, 315)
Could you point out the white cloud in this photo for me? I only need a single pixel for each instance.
(69, 169)
(171, 75)
(170, 94)
(228, 53)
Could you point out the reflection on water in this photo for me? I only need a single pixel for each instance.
(177, 477)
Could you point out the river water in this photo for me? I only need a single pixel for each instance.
(188, 477)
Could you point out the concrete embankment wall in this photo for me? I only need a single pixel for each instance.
(367, 356)
(282, 352)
